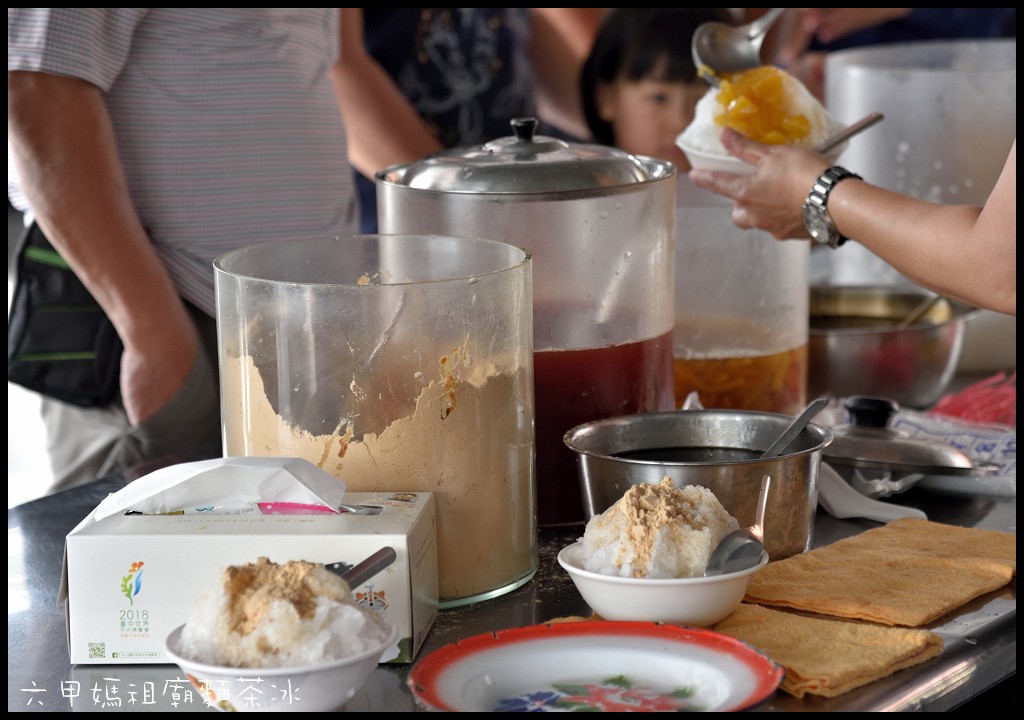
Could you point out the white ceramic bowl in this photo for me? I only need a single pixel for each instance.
(697, 601)
(317, 688)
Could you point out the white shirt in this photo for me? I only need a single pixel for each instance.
(225, 121)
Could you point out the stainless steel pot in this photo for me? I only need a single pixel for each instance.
(718, 449)
(856, 348)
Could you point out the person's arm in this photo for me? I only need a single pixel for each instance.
(64, 148)
(789, 45)
(383, 128)
(802, 25)
(963, 252)
(560, 41)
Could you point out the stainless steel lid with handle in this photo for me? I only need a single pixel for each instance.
(528, 163)
(868, 442)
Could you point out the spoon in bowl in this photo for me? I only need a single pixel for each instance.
(794, 428)
(720, 49)
(918, 312)
(741, 549)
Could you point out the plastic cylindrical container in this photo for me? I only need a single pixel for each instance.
(950, 118)
(950, 114)
(598, 223)
(741, 298)
(396, 363)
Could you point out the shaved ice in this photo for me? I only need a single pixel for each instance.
(265, 615)
(657, 531)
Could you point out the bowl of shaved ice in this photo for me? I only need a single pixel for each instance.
(765, 104)
(293, 626)
(643, 559)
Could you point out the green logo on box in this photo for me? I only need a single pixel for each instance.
(131, 584)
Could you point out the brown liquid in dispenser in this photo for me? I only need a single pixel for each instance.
(576, 386)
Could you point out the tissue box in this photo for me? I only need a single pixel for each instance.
(130, 579)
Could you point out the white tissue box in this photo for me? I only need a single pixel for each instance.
(129, 580)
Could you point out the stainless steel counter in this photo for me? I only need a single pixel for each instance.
(980, 639)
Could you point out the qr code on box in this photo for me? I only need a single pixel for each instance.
(97, 650)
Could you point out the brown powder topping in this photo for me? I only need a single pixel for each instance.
(648, 508)
(252, 588)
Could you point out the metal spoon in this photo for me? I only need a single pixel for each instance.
(360, 509)
(741, 549)
(719, 49)
(795, 427)
(848, 132)
(918, 312)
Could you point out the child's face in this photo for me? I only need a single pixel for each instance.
(648, 114)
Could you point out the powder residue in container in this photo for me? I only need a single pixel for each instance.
(468, 441)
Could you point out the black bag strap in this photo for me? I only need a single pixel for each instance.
(60, 343)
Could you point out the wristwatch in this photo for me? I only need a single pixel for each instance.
(817, 220)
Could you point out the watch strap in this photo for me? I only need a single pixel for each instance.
(820, 191)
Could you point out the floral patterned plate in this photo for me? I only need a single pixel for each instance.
(595, 666)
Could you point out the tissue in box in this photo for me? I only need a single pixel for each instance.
(130, 578)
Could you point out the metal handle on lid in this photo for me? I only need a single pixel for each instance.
(870, 411)
(524, 128)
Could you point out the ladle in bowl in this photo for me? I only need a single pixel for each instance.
(918, 312)
(794, 428)
(719, 49)
(741, 549)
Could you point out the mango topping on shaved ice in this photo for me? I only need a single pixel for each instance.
(770, 106)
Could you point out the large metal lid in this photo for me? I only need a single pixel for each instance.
(867, 442)
(528, 163)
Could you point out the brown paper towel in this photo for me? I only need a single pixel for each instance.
(908, 572)
(828, 657)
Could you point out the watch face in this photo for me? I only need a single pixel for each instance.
(816, 226)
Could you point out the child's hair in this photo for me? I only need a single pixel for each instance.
(634, 42)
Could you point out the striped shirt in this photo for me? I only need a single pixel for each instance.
(225, 120)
